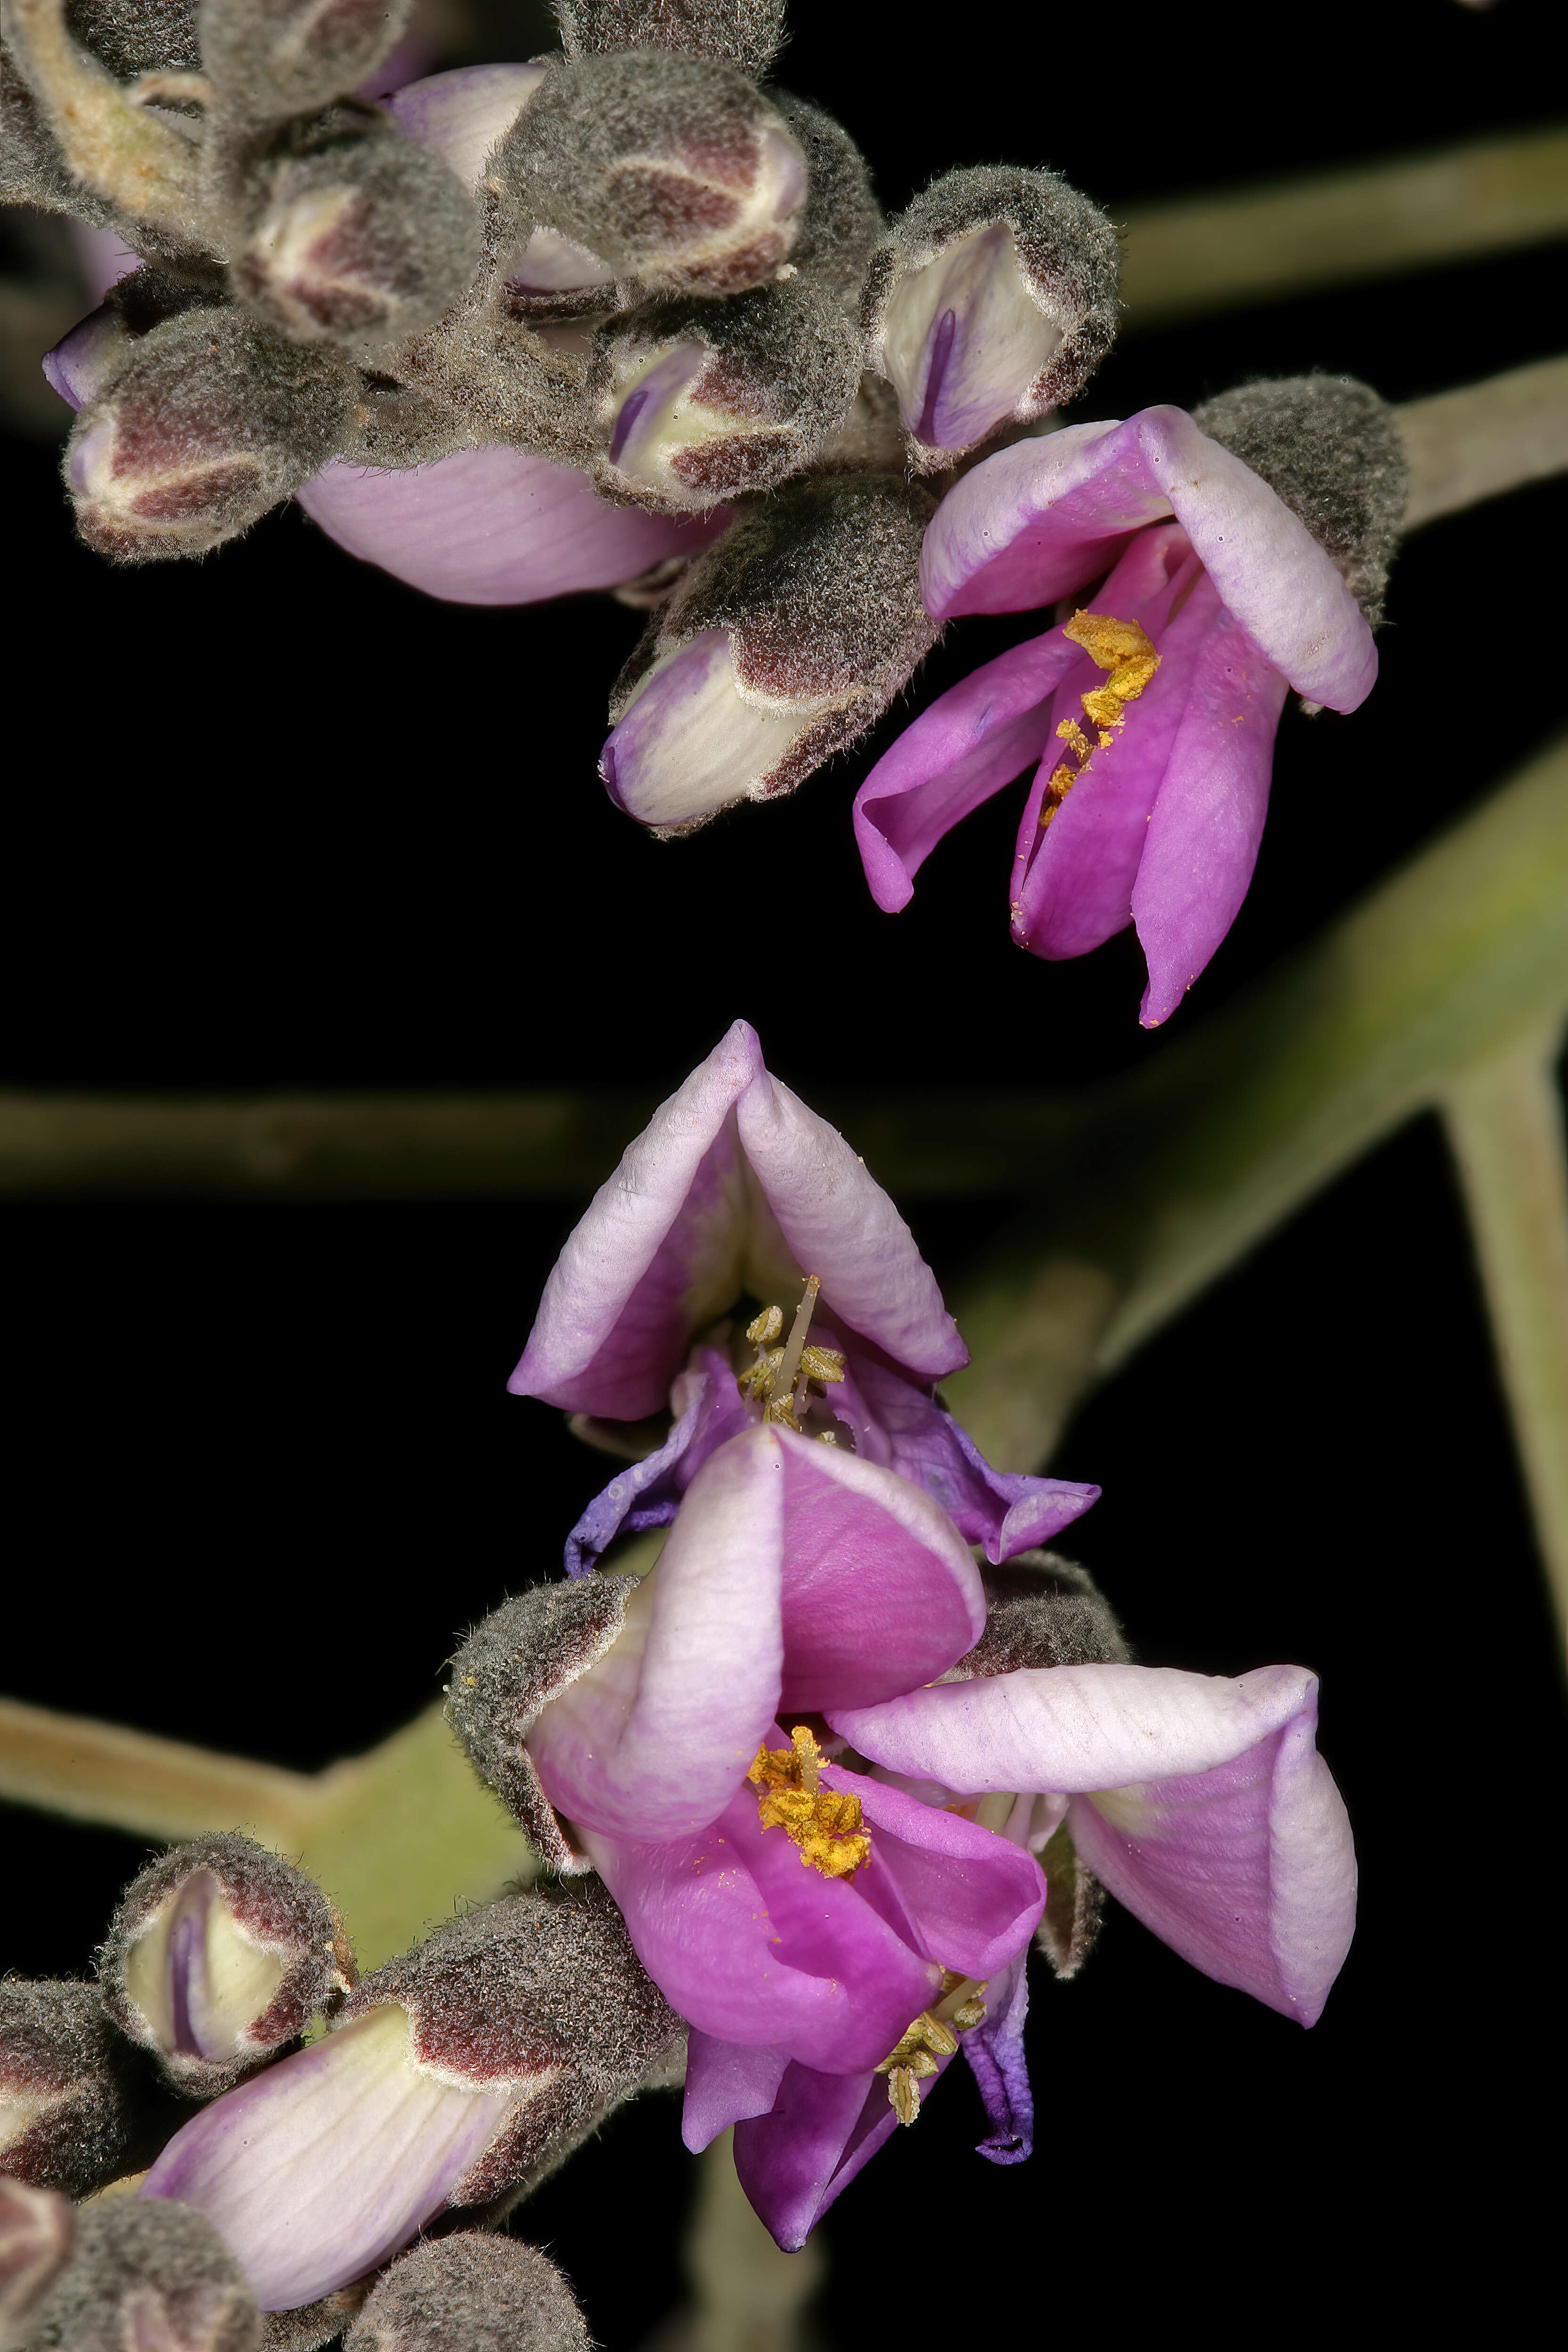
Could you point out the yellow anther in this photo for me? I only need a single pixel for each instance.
(1109, 643)
(765, 1328)
(1073, 736)
(969, 2013)
(822, 1363)
(903, 2095)
(824, 1823)
(1103, 705)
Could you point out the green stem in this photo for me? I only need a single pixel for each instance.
(1485, 438)
(1248, 245)
(746, 2296)
(1505, 1126)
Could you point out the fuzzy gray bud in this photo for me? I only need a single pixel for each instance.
(781, 645)
(748, 32)
(506, 1672)
(219, 1956)
(473, 2291)
(991, 300)
(542, 1990)
(1331, 449)
(354, 233)
(71, 2091)
(272, 59)
(1043, 1610)
(674, 171)
(212, 420)
(698, 402)
(37, 2231)
(148, 2275)
(1075, 1906)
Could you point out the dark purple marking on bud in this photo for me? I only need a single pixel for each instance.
(941, 352)
(630, 410)
(510, 1668)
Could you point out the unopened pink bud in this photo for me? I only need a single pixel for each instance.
(219, 1956)
(37, 2231)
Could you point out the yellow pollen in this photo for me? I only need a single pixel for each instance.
(1123, 650)
(823, 1824)
(781, 1379)
(929, 2037)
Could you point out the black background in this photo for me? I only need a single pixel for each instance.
(283, 823)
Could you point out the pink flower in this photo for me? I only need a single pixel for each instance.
(1151, 715)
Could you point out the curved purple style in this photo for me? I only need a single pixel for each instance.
(1160, 824)
(733, 1187)
(802, 1580)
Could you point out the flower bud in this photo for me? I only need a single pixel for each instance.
(85, 361)
(219, 1956)
(701, 401)
(269, 59)
(748, 32)
(361, 236)
(467, 2293)
(149, 2276)
(455, 2076)
(211, 421)
(1043, 1610)
(37, 2231)
(511, 1665)
(1331, 449)
(698, 401)
(779, 646)
(72, 2094)
(673, 170)
(992, 299)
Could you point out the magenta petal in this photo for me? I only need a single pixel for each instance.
(494, 526)
(1202, 837)
(1038, 520)
(654, 1739)
(794, 2162)
(975, 1897)
(1246, 1870)
(750, 1945)
(971, 741)
(878, 1590)
(725, 2082)
(1074, 882)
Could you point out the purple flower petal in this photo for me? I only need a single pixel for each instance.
(323, 2165)
(877, 1591)
(975, 1898)
(1006, 1511)
(655, 1738)
(1202, 837)
(995, 2053)
(1038, 520)
(81, 361)
(1044, 517)
(734, 1186)
(691, 743)
(753, 1945)
(726, 2082)
(494, 526)
(649, 1493)
(965, 747)
(1248, 1870)
(1073, 880)
(822, 2129)
(461, 116)
(1071, 1728)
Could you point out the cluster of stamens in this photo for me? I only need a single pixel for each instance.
(1127, 655)
(929, 2036)
(823, 1824)
(783, 1378)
